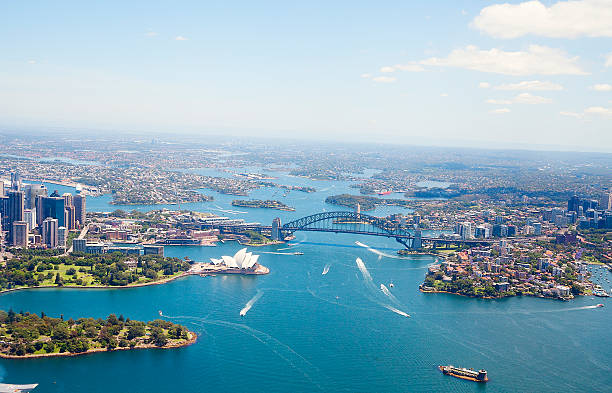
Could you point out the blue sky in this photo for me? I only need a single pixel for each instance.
(524, 74)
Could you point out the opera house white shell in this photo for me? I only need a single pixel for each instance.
(241, 260)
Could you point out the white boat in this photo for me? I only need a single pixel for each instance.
(10, 388)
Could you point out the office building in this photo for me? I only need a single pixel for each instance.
(62, 236)
(69, 214)
(49, 232)
(19, 234)
(15, 181)
(29, 216)
(1, 188)
(15, 209)
(79, 245)
(78, 202)
(53, 207)
(31, 192)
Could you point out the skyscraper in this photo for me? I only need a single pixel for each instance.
(62, 234)
(1, 188)
(31, 192)
(15, 210)
(52, 207)
(15, 205)
(19, 230)
(69, 216)
(79, 209)
(29, 216)
(49, 232)
(15, 181)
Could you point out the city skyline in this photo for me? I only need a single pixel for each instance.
(524, 75)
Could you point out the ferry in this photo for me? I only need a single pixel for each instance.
(7, 387)
(600, 305)
(465, 373)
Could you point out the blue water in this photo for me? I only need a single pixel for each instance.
(331, 333)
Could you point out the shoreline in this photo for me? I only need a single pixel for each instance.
(491, 298)
(191, 340)
(144, 284)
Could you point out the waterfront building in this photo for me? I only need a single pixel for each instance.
(78, 202)
(79, 245)
(153, 250)
(62, 236)
(1, 188)
(19, 231)
(49, 232)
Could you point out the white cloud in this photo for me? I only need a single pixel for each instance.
(602, 87)
(564, 19)
(523, 98)
(151, 33)
(530, 99)
(409, 67)
(498, 102)
(500, 111)
(599, 110)
(609, 60)
(536, 60)
(444, 95)
(366, 76)
(530, 86)
(31, 61)
(593, 110)
(384, 79)
(180, 38)
(484, 85)
(572, 114)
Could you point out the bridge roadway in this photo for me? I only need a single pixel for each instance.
(344, 222)
(265, 228)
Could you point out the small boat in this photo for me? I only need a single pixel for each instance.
(600, 305)
(391, 285)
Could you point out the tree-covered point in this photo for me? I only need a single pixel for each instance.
(25, 334)
(27, 269)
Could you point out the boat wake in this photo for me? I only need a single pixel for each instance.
(386, 291)
(377, 252)
(369, 282)
(326, 269)
(250, 303)
(282, 350)
(280, 253)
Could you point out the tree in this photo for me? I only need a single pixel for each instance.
(158, 336)
(58, 280)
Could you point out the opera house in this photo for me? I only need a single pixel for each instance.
(242, 262)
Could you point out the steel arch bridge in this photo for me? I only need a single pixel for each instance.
(348, 222)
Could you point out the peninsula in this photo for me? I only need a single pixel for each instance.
(26, 335)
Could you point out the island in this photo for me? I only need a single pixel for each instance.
(26, 335)
(256, 203)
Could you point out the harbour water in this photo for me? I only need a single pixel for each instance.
(337, 332)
